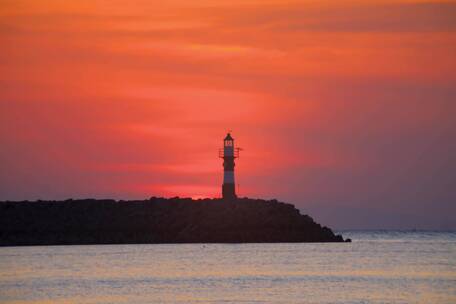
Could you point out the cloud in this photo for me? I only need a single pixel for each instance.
(375, 16)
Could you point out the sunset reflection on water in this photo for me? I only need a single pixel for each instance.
(407, 270)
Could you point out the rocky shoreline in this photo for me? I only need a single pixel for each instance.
(157, 221)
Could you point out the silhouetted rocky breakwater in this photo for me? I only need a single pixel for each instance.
(157, 220)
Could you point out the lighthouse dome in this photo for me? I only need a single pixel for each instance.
(228, 137)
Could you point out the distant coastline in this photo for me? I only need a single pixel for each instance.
(155, 221)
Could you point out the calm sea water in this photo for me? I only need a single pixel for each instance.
(378, 267)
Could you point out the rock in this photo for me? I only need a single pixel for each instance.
(157, 220)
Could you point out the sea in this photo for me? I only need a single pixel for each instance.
(377, 267)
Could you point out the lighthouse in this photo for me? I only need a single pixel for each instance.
(228, 153)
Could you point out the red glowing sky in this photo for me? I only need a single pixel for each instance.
(346, 109)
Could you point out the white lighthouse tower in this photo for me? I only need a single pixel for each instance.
(228, 153)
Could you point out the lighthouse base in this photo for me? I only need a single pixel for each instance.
(228, 192)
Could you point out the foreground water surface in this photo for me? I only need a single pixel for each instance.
(378, 267)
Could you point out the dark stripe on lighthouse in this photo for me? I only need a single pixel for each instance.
(228, 163)
(228, 188)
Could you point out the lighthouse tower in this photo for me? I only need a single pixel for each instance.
(228, 153)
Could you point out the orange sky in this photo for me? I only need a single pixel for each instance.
(338, 105)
